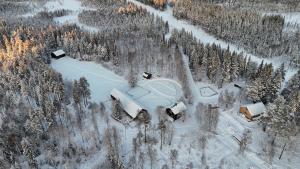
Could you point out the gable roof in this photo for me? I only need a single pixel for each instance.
(127, 103)
(59, 52)
(256, 109)
(178, 108)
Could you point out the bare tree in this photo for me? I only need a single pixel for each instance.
(162, 127)
(245, 140)
(173, 157)
(152, 155)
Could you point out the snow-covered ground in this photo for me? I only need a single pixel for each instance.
(74, 6)
(207, 38)
(149, 93)
(164, 92)
(290, 17)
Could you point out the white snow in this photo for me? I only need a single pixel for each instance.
(59, 52)
(101, 80)
(256, 109)
(132, 108)
(164, 92)
(289, 17)
(205, 37)
(74, 6)
(179, 108)
(148, 93)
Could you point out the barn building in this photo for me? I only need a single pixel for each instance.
(128, 105)
(176, 110)
(253, 110)
(58, 54)
(147, 75)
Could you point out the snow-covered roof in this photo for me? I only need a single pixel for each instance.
(179, 107)
(256, 109)
(145, 74)
(127, 103)
(59, 52)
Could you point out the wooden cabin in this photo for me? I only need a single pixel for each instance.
(176, 110)
(147, 75)
(252, 111)
(127, 104)
(58, 54)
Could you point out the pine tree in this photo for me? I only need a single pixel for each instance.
(273, 86)
(76, 93)
(117, 109)
(256, 90)
(84, 90)
(278, 119)
(27, 148)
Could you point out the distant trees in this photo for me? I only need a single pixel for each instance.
(130, 9)
(161, 4)
(253, 31)
(211, 61)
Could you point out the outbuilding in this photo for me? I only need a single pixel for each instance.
(252, 111)
(128, 105)
(147, 75)
(58, 54)
(176, 110)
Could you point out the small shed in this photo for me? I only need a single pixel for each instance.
(127, 104)
(238, 86)
(58, 54)
(176, 110)
(253, 110)
(147, 75)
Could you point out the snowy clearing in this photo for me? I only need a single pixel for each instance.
(149, 93)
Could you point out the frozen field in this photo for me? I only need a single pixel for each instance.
(149, 93)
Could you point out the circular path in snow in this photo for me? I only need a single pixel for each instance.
(156, 92)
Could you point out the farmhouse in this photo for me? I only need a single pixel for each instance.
(176, 110)
(58, 54)
(147, 75)
(253, 110)
(128, 105)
